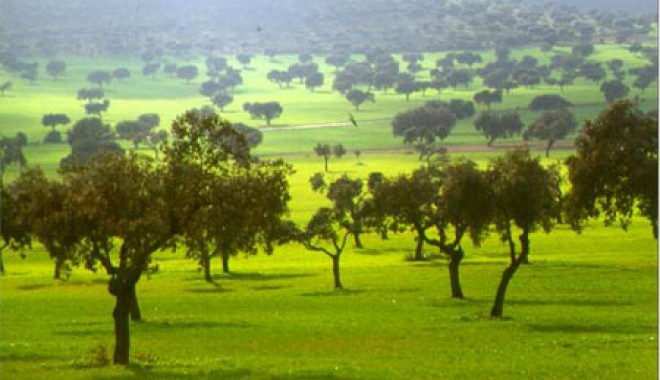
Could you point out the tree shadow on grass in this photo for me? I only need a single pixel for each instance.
(312, 375)
(157, 372)
(157, 324)
(24, 357)
(269, 287)
(256, 276)
(334, 293)
(575, 328)
(209, 290)
(34, 286)
(569, 302)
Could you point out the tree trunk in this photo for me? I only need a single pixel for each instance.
(654, 225)
(491, 141)
(498, 306)
(455, 260)
(547, 149)
(225, 262)
(206, 264)
(2, 261)
(335, 272)
(58, 269)
(357, 240)
(122, 333)
(325, 161)
(524, 247)
(135, 312)
(418, 249)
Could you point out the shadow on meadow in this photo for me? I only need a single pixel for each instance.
(168, 324)
(576, 328)
(334, 293)
(139, 371)
(569, 302)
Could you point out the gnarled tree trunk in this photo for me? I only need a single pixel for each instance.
(455, 259)
(498, 306)
(122, 292)
(135, 312)
(335, 272)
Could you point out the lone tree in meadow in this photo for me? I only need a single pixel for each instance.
(52, 120)
(138, 131)
(615, 168)
(99, 77)
(526, 196)
(323, 150)
(121, 74)
(150, 70)
(348, 199)
(314, 80)
(267, 111)
(464, 207)
(613, 90)
(423, 125)
(56, 68)
(406, 85)
(548, 102)
(358, 97)
(97, 108)
(90, 94)
(221, 100)
(551, 125)
(495, 125)
(326, 232)
(244, 59)
(187, 73)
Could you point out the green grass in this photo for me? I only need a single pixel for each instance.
(585, 309)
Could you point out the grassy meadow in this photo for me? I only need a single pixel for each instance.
(586, 308)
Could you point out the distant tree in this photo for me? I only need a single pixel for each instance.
(97, 108)
(526, 196)
(303, 70)
(423, 125)
(88, 137)
(52, 121)
(132, 130)
(99, 77)
(384, 80)
(487, 97)
(30, 76)
(342, 85)
(551, 125)
(338, 150)
(614, 90)
(280, 77)
(313, 81)
(337, 60)
(469, 58)
(615, 168)
(323, 150)
(56, 68)
(221, 100)
(642, 82)
(358, 97)
(305, 58)
(548, 102)
(90, 94)
(156, 140)
(150, 70)
(121, 74)
(267, 110)
(4, 87)
(406, 85)
(593, 71)
(216, 65)
(14, 233)
(170, 69)
(459, 77)
(462, 109)
(494, 125)
(615, 64)
(187, 73)
(583, 50)
(244, 59)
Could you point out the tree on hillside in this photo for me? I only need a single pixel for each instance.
(13, 230)
(280, 77)
(267, 110)
(613, 90)
(615, 168)
(305, 57)
(97, 108)
(323, 150)
(313, 81)
(526, 195)
(170, 69)
(338, 150)
(121, 74)
(88, 137)
(548, 102)
(551, 125)
(423, 125)
(99, 77)
(494, 125)
(30, 75)
(56, 68)
(150, 70)
(593, 71)
(52, 121)
(357, 97)
(488, 97)
(244, 59)
(187, 73)
(90, 94)
(221, 100)
(406, 85)
(337, 60)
